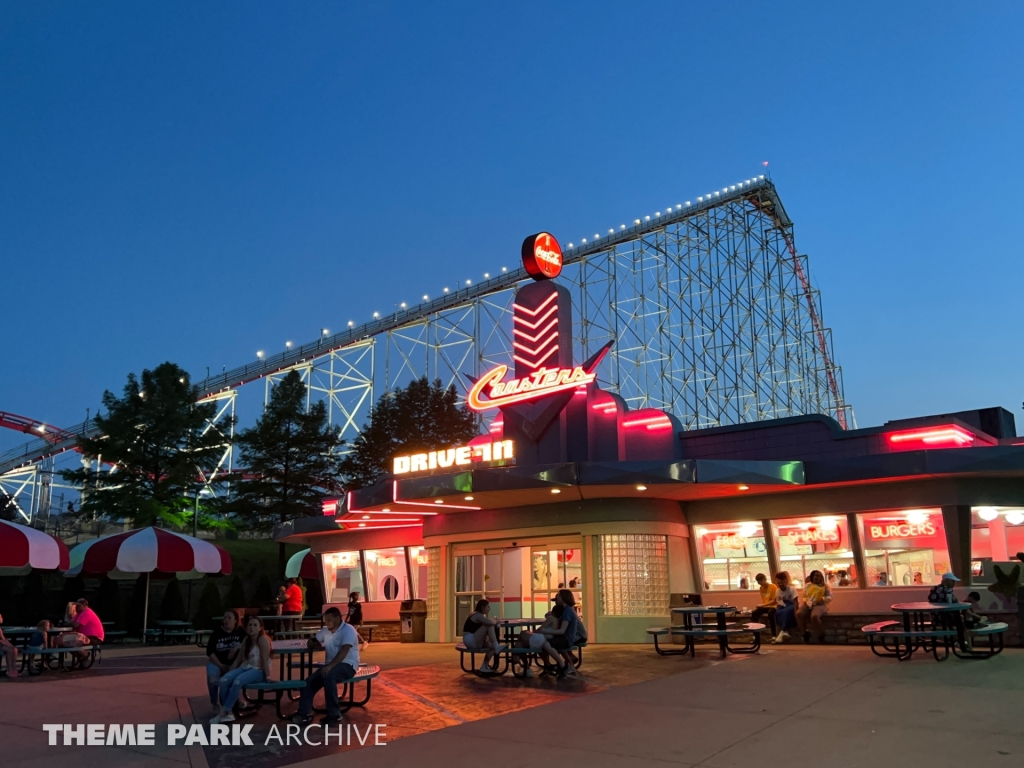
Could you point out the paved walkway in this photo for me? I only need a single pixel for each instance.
(828, 707)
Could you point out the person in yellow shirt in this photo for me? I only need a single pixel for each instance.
(768, 605)
(813, 607)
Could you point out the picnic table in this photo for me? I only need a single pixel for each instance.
(19, 636)
(694, 628)
(932, 628)
(285, 650)
(170, 628)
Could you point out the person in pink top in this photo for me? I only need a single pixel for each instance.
(87, 622)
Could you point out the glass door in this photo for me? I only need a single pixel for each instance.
(555, 569)
(492, 574)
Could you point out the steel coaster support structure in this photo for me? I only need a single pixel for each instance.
(709, 304)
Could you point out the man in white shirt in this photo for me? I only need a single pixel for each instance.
(340, 644)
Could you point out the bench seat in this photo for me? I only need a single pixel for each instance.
(746, 629)
(990, 629)
(878, 626)
(42, 655)
(365, 674)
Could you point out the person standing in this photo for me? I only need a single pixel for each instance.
(355, 610)
(292, 602)
(221, 651)
(768, 606)
(340, 644)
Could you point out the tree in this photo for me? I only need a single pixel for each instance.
(157, 439)
(289, 455)
(421, 417)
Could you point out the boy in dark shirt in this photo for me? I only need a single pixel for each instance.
(221, 650)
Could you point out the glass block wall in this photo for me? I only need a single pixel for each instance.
(433, 582)
(633, 574)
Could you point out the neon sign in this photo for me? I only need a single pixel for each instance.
(730, 541)
(540, 383)
(813, 535)
(901, 530)
(949, 435)
(422, 560)
(386, 562)
(542, 256)
(454, 457)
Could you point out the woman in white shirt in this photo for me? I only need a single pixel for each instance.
(251, 665)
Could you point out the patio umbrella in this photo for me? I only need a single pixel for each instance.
(302, 564)
(23, 548)
(152, 551)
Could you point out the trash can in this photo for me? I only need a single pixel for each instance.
(414, 620)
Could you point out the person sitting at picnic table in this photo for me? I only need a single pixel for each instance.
(769, 604)
(41, 637)
(221, 650)
(478, 634)
(563, 637)
(883, 580)
(813, 607)
(84, 620)
(844, 579)
(785, 606)
(943, 591)
(251, 665)
(973, 619)
(10, 653)
(340, 643)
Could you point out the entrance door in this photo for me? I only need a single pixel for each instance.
(555, 568)
(491, 574)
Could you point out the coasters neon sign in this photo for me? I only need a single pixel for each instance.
(542, 382)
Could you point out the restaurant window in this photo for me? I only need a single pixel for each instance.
(904, 548)
(633, 574)
(997, 536)
(343, 575)
(820, 543)
(419, 564)
(732, 554)
(386, 575)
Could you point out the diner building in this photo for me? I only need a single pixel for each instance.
(569, 488)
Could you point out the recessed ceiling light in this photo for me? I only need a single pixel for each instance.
(641, 487)
(366, 517)
(555, 490)
(439, 501)
(469, 498)
(744, 487)
(362, 525)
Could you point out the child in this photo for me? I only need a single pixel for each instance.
(973, 619)
(41, 637)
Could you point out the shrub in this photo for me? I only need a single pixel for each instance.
(209, 606)
(172, 607)
(108, 603)
(236, 595)
(264, 594)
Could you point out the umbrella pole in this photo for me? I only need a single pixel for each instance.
(145, 611)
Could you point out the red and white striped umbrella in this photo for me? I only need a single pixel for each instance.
(149, 550)
(22, 548)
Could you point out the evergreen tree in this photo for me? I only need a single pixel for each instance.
(421, 417)
(290, 458)
(33, 599)
(236, 595)
(264, 594)
(209, 606)
(108, 603)
(172, 607)
(155, 437)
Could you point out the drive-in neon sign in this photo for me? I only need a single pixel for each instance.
(540, 383)
(499, 450)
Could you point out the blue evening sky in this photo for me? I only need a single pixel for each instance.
(196, 181)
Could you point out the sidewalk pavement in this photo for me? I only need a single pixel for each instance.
(798, 707)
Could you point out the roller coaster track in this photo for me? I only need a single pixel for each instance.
(759, 193)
